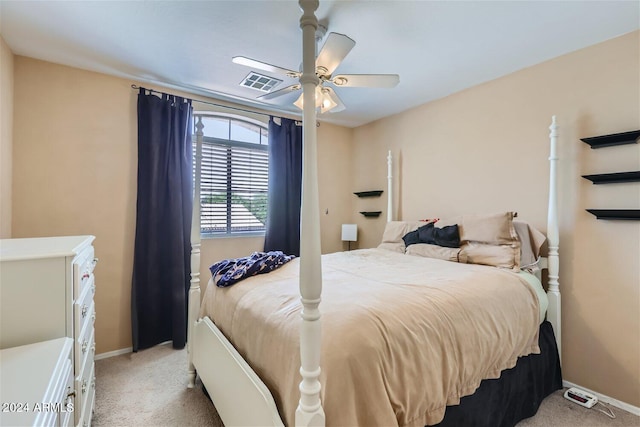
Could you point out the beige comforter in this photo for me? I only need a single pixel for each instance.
(402, 336)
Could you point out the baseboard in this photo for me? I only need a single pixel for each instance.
(109, 354)
(606, 399)
(122, 351)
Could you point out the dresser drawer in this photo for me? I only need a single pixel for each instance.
(56, 395)
(86, 358)
(88, 407)
(85, 395)
(85, 345)
(83, 267)
(82, 305)
(65, 416)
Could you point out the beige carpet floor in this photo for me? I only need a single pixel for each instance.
(148, 388)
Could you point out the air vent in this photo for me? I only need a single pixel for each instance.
(260, 82)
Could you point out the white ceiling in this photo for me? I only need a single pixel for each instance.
(437, 47)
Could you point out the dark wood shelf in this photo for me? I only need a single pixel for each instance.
(613, 178)
(616, 214)
(613, 139)
(374, 193)
(371, 214)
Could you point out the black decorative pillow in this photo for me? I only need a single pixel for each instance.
(425, 233)
(411, 238)
(448, 236)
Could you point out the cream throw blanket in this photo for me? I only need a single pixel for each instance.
(402, 336)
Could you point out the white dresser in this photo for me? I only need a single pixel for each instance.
(36, 385)
(47, 287)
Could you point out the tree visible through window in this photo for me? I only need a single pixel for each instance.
(234, 175)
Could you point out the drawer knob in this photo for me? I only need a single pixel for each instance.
(84, 310)
(86, 275)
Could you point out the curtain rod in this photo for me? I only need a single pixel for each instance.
(133, 86)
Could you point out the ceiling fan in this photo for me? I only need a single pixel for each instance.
(334, 50)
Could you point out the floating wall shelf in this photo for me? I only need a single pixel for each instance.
(616, 177)
(371, 214)
(612, 178)
(374, 193)
(618, 214)
(613, 139)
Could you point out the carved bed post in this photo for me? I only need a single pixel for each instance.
(389, 187)
(553, 237)
(309, 411)
(194, 289)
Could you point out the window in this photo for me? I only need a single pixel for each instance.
(234, 175)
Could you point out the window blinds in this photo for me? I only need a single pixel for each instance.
(234, 181)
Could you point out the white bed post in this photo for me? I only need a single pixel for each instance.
(309, 411)
(553, 237)
(389, 187)
(194, 289)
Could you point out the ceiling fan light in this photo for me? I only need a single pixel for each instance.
(324, 100)
(300, 101)
(327, 101)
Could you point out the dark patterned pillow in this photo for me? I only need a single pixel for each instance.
(448, 236)
(411, 238)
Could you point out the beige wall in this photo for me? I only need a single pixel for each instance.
(334, 178)
(75, 166)
(485, 150)
(75, 162)
(6, 137)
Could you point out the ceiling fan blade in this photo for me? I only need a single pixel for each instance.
(243, 60)
(335, 48)
(280, 92)
(366, 80)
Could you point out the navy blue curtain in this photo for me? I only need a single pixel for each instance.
(161, 265)
(285, 187)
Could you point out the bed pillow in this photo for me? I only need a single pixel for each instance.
(502, 256)
(531, 240)
(394, 247)
(412, 237)
(488, 239)
(496, 229)
(447, 236)
(438, 252)
(394, 231)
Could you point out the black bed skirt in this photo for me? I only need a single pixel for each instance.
(516, 395)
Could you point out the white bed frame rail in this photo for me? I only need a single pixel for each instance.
(240, 396)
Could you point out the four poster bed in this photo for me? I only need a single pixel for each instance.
(404, 337)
